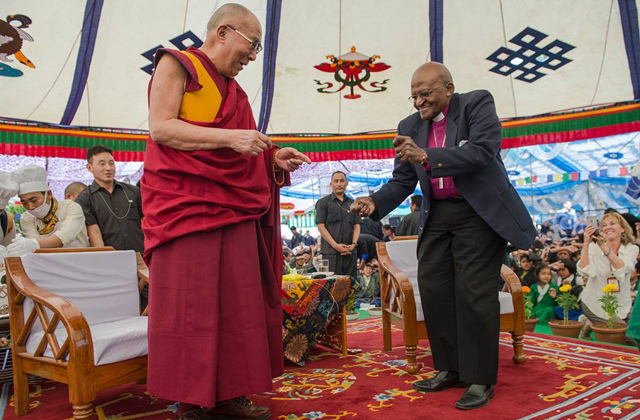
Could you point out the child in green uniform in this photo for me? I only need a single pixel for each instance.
(543, 294)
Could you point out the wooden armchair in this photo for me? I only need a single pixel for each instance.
(402, 307)
(75, 318)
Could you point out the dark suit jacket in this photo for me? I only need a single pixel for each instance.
(475, 165)
(410, 224)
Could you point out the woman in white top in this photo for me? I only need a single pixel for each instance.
(607, 258)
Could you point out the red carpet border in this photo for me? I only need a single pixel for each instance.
(561, 379)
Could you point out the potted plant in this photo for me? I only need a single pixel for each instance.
(352, 313)
(611, 332)
(565, 327)
(530, 321)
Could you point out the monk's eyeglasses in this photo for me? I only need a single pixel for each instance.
(425, 94)
(253, 43)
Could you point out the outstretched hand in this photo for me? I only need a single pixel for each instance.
(289, 159)
(363, 206)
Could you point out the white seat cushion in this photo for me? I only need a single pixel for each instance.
(506, 303)
(403, 255)
(112, 341)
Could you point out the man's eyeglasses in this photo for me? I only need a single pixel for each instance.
(425, 93)
(253, 43)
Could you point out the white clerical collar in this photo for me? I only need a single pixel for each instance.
(438, 117)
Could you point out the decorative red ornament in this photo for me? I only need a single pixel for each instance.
(352, 70)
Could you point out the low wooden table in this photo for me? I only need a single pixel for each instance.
(315, 313)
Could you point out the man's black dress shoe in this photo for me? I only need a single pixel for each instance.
(441, 381)
(475, 397)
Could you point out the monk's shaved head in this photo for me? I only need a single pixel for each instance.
(233, 40)
(433, 69)
(229, 13)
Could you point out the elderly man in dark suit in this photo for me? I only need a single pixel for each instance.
(469, 212)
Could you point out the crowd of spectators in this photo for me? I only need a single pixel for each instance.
(588, 257)
(568, 250)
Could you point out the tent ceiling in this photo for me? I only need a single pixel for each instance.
(92, 60)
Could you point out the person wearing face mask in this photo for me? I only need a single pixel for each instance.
(47, 222)
(8, 189)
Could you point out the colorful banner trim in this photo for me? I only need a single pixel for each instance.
(622, 171)
(30, 139)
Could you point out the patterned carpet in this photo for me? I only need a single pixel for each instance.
(561, 379)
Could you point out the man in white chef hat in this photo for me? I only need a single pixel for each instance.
(47, 223)
(8, 189)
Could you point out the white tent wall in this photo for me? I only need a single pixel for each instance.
(587, 25)
(41, 93)
(128, 35)
(404, 34)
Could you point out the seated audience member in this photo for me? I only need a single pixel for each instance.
(302, 263)
(608, 258)
(633, 279)
(73, 189)
(308, 240)
(8, 189)
(563, 254)
(372, 228)
(389, 233)
(369, 290)
(545, 227)
(633, 222)
(527, 267)
(287, 256)
(410, 224)
(543, 294)
(299, 249)
(374, 264)
(306, 256)
(566, 274)
(566, 252)
(366, 248)
(47, 223)
(580, 224)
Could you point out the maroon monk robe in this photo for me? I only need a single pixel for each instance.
(212, 240)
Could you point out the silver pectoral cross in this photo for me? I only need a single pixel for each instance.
(441, 183)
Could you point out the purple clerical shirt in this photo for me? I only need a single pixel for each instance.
(439, 128)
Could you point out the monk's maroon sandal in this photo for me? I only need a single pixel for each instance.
(193, 414)
(237, 408)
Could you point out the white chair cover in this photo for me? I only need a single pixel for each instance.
(403, 256)
(104, 286)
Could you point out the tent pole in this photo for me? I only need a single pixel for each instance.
(533, 207)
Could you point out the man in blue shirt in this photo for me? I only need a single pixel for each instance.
(566, 220)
